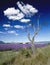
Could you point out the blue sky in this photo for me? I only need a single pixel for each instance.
(15, 15)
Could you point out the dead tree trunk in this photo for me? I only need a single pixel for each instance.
(32, 45)
(33, 48)
(36, 31)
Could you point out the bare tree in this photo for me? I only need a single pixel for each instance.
(36, 31)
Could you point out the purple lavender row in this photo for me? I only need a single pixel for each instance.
(17, 46)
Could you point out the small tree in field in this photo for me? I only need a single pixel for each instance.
(36, 31)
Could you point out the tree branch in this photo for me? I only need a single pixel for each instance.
(36, 31)
(29, 37)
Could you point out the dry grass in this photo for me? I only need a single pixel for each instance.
(25, 57)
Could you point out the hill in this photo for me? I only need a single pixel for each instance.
(1, 42)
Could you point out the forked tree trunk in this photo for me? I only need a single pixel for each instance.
(33, 48)
(32, 44)
(36, 31)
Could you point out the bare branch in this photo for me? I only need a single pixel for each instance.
(28, 33)
(29, 37)
(38, 28)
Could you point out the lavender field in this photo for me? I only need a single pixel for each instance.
(42, 57)
(18, 46)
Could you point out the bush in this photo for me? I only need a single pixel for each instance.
(26, 52)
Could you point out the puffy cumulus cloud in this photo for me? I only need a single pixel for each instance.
(12, 32)
(30, 24)
(25, 20)
(1, 32)
(11, 11)
(31, 9)
(5, 28)
(27, 9)
(22, 7)
(9, 32)
(19, 26)
(6, 25)
(23, 11)
(16, 34)
(16, 17)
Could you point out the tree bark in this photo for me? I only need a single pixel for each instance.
(33, 48)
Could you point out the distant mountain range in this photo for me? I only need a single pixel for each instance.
(42, 42)
(1, 42)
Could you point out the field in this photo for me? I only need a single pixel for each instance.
(25, 57)
(16, 46)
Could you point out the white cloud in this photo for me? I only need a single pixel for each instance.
(16, 17)
(25, 20)
(10, 32)
(1, 32)
(6, 28)
(18, 26)
(22, 7)
(31, 9)
(11, 11)
(13, 32)
(27, 9)
(16, 34)
(23, 11)
(30, 25)
(6, 25)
